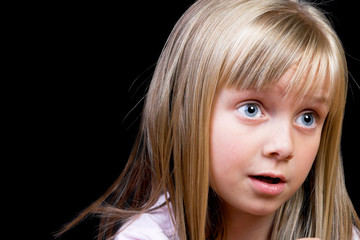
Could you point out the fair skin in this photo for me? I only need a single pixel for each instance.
(263, 145)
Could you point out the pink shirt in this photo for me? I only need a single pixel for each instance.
(356, 234)
(156, 225)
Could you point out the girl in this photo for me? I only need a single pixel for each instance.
(240, 135)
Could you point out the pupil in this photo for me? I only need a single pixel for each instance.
(307, 118)
(251, 109)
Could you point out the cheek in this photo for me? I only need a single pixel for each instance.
(305, 156)
(230, 151)
(225, 158)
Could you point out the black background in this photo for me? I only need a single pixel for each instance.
(92, 65)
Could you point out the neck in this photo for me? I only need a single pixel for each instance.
(248, 226)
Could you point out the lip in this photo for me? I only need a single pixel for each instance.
(265, 188)
(272, 175)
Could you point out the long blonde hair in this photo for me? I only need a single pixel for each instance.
(243, 44)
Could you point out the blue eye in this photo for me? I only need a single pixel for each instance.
(307, 120)
(250, 110)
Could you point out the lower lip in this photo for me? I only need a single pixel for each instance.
(267, 188)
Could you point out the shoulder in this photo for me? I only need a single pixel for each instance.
(148, 226)
(355, 234)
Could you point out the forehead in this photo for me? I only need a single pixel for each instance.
(304, 87)
(315, 87)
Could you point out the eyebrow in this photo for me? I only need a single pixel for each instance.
(318, 99)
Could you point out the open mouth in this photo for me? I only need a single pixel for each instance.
(269, 180)
(268, 183)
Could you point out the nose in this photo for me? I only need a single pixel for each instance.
(279, 144)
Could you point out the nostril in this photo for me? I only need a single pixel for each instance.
(274, 155)
(278, 156)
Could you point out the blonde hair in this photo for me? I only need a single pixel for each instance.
(243, 44)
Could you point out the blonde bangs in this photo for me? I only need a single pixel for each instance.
(277, 40)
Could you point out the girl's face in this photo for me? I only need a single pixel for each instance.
(263, 145)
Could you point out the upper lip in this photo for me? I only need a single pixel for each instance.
(271, 175)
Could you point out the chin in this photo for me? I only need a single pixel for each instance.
(263, 209)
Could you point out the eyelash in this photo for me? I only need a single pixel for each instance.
(243, 111)
(313, 119)
(248, 111)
